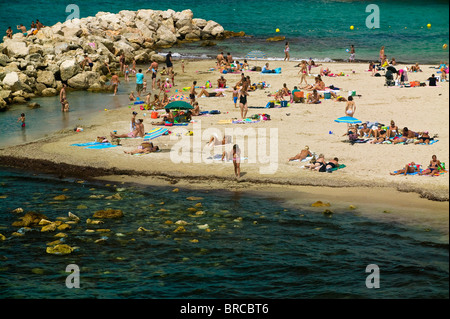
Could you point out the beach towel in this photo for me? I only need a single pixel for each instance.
(246, 121)
(155, 133)
(339, 167)
(101, 146)
(218, 157)
(86, 144)
(414, 173)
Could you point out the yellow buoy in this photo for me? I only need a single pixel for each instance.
(277, 30)
(352, 27)
(428, 25)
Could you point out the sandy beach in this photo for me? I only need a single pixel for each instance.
(367, 165)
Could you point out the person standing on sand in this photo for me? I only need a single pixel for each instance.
(154, 69)
(169, 62)
(219, 58)
(381, 54)
(115, 82)
(286, 52)
(243, 103)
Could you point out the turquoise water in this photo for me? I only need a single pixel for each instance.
(40, 122)
(256, 247)
(314, 28)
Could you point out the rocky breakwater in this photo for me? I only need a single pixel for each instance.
(39, 64)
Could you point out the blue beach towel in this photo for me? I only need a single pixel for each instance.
(86, 144)
(100, 146)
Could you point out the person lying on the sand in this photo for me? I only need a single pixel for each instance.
(304, 153)
(144, 148)
(424, 138)
(212, 94)
(214, 140)
(330, 165)
(377, 132)
(380, 136)
(415, 68)
(317, 164)
(435, 166)
(319, 85)
(137, 132)
(409, 168)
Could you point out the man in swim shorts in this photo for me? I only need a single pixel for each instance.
(139, 82)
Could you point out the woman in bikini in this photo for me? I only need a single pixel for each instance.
(409, 168)
(243, 100)
(286, 52)
(434, 166)
(392, 130)
(424, 138)
(304, 72)
(402, 138)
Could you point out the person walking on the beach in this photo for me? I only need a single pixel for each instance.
(352, 54)
(139, 82)
(154, 69)
(286, 52)
(192, 93)
(182, 66)
(304, 72)
(115, 82)
(22, 119)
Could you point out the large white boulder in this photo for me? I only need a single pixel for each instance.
(68, 69)
(16, 49)
(13, 81)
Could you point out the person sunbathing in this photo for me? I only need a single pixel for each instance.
(364, 131)
(376, 131)
(221, 82)
(304, 153)
(334, 163)
(392, 130)
(168, 118)
(137, 132)
(196, 110)
(403, 138)
(212, 94)
(424, 138)
(164, 101)
(435, 166)
(314, 97)
(409, 169)
(319, 85)
(214, 140)
(317, 164)
(415, 68)
(380, 136)
(144, 148)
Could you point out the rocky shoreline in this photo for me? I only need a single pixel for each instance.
(39, 64)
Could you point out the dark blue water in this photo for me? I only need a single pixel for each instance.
(255, 247)
(314, 28)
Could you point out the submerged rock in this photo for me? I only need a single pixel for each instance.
(320, 204)
(108, 213)
(62, 249)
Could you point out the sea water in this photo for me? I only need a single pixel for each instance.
(233, 246)
(319, 29)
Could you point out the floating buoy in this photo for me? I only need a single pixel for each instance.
(347, 50)
(277, 30)
(352, 27)
(429, 25)
(445, 46)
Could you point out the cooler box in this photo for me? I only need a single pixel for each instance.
(284, 103)
(327, 95)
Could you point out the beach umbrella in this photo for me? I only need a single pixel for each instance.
(179, 105)
(157, 132)
(348, 119)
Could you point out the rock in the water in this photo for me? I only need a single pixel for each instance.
(62, 249)
(108, 213)
(320, 204)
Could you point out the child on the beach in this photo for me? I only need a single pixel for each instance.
(182, 66)
(65, 106)
(132, 97)
(144, 87)
(127, 73)
(235, 96)
(22, 119)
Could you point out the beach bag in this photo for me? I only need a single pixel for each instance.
(154, 115)
(284, 103)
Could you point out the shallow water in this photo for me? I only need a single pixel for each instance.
(255, 247)
(40, 122)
